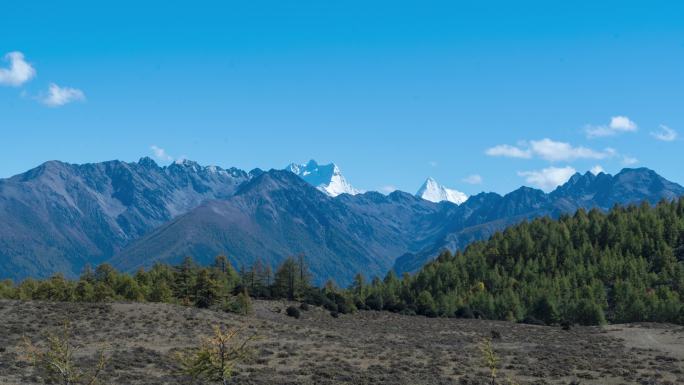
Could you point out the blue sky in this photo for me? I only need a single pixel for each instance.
(392, 91)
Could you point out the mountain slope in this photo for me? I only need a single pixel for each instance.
(434, 192)
(327, 178)
(484, 214)
(277, 215)
(59, 216)
(623, 266)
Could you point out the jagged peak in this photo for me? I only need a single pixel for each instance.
(146, 161)
(432, 191)
(525, 191)
(326, 177)
(185, 163)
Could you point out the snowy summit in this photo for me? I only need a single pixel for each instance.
(327, 178)
(434, 192)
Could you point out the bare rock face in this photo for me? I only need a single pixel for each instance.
(59, 216)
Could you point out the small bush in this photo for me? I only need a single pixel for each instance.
(566, 325)
(55, 360)
(334, 314)
(465, 312)
(407, 311)
(293, 312)
(374, 302)
(529, 320)
(214, 360)
(495, 335)
(240, 304)
(304, 307)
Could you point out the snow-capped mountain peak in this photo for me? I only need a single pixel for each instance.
(327, 178)
(434, 192)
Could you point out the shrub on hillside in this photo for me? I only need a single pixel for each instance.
(239, 304)
(293, 312)
(530, 320)
(465, 312)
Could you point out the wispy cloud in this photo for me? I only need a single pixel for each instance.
(550, 150)
(473, 179)
(665, 134)
(160, 153)
(618, 124)
(18, 72)
(388, 189)
(58, 96)
(549, 178)
(554, 151)
(433, 163)
(597, 169)
(629, 161)
(508, 151)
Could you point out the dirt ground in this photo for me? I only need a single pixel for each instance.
(365, 348)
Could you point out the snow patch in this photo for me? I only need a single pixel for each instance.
(434, 192)
(327, 178)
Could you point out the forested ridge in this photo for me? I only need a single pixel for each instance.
(626, 265)
(592, 267)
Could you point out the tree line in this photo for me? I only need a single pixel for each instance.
(589, 268)
(219, 285)
(592, 267)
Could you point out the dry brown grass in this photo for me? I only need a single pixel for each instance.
(364, 348)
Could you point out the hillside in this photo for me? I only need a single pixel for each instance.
(59, 216)
(364, 348)
(485, 214)
(626, 265)
(277, 215)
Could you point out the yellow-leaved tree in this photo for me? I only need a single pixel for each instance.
(216, 357)
(54, 359)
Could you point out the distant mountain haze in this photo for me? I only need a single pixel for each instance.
(59, 217)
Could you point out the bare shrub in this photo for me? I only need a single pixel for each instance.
(55, 363)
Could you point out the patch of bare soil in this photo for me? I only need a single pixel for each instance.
(364, 348)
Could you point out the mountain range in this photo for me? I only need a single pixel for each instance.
(59, 217)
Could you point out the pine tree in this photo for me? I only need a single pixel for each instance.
(184, 280)
(206, 290)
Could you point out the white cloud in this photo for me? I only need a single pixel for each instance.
(618, 124)
(508, 151)
(629, 161)
(433, 163)
(58, 96)
(622, 123)
(560, 151)
(666, 134)
(597, 169)
(388, 189)
(548, 178)
(160, 153)
(19, 71)
(473, 179)
(549, 150)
